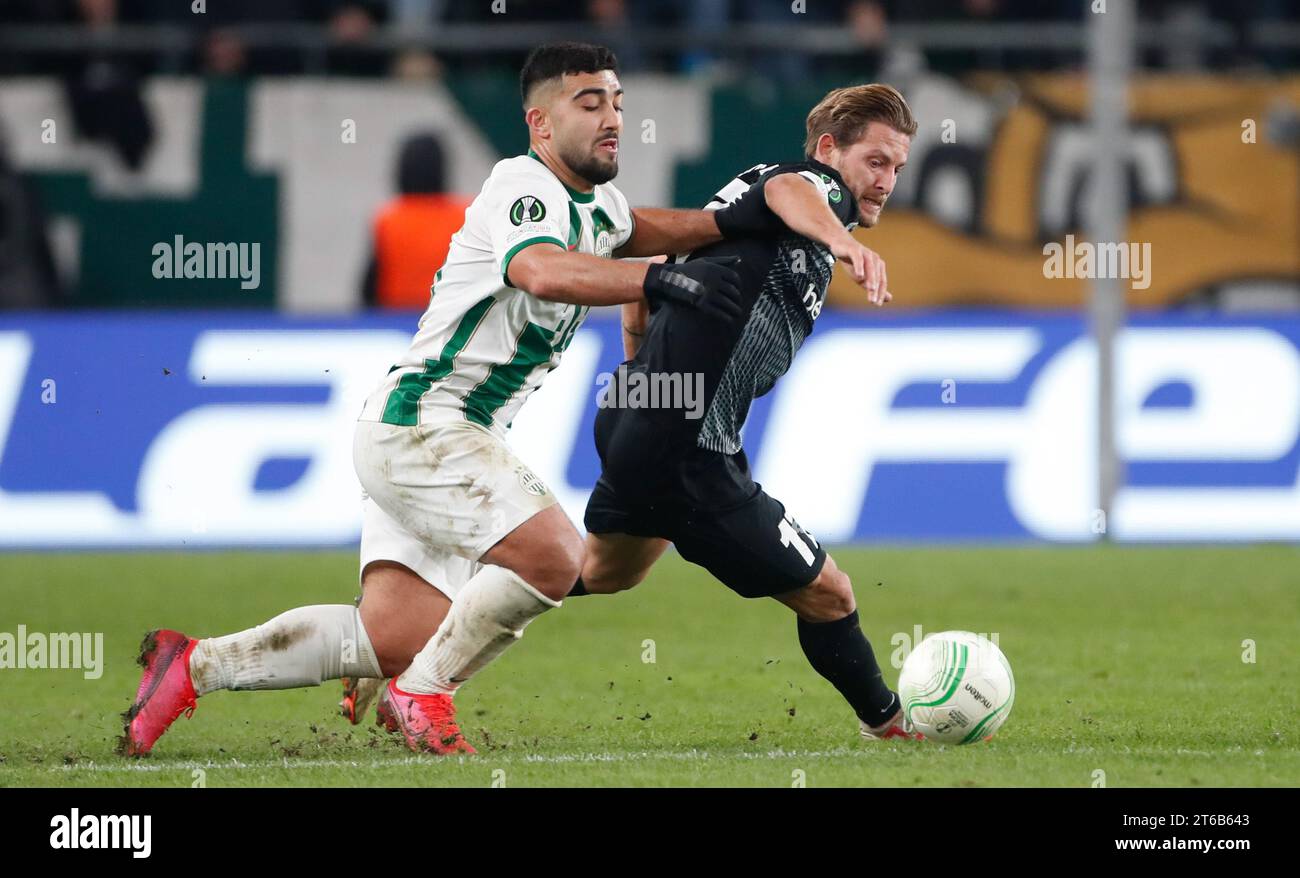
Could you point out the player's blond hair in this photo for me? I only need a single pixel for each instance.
(845, 114)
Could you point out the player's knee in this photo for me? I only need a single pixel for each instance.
(393, 658)
(398, 631)
(555, 567)
(395, 642)
(832, 593)
(608, 579)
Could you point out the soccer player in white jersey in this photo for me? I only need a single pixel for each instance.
(458, 535)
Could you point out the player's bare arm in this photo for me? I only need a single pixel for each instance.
(551, 273)
(662, 230)
(798, 203)
(554, 275)
(636, 316)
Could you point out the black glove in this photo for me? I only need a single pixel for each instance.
(710, 284)
(749, 216)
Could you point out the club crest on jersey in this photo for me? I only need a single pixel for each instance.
(835, 195)
(604, 244)
(531, 483)
(603, 239)
(527, 209)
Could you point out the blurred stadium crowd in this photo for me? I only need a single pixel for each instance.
(379, 37)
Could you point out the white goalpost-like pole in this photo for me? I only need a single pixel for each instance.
(1111, 25)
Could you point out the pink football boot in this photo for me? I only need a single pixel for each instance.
(165, 690)
(427, 722)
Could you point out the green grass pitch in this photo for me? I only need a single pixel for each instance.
(1128, 662)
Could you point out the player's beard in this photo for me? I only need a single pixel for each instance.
(868, 220)
(590, 168)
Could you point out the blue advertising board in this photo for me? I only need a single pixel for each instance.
(234, 429)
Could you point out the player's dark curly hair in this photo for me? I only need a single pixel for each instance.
(556, 59)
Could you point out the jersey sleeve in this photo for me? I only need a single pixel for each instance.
(525, 209)
(837, 198)
(836, 195)
(738, 186)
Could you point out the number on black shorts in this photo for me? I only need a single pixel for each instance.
(793, 535)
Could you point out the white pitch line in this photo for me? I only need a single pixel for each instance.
(482, 759)
(495, 758)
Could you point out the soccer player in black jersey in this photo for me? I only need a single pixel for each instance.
(669, 478)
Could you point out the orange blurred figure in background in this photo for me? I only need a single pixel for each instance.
(412, 232)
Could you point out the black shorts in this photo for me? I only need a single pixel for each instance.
(704, 502)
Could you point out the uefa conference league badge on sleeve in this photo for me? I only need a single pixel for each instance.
(528, 208)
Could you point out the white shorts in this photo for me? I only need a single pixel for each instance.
(438, 496)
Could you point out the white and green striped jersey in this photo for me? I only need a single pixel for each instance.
(482, 345)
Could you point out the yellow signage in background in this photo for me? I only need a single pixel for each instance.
(1215, 197)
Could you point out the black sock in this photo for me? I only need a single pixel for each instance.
(578, 589)
(841, 653)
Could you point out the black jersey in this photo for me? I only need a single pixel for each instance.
(783, 282)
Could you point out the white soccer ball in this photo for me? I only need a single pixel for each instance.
(957, 687)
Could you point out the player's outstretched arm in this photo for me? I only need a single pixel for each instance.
(660, 231)
(549, 272)
(803, 208)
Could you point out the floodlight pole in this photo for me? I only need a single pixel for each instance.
(1110, 63)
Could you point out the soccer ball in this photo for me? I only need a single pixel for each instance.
(957, 687)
